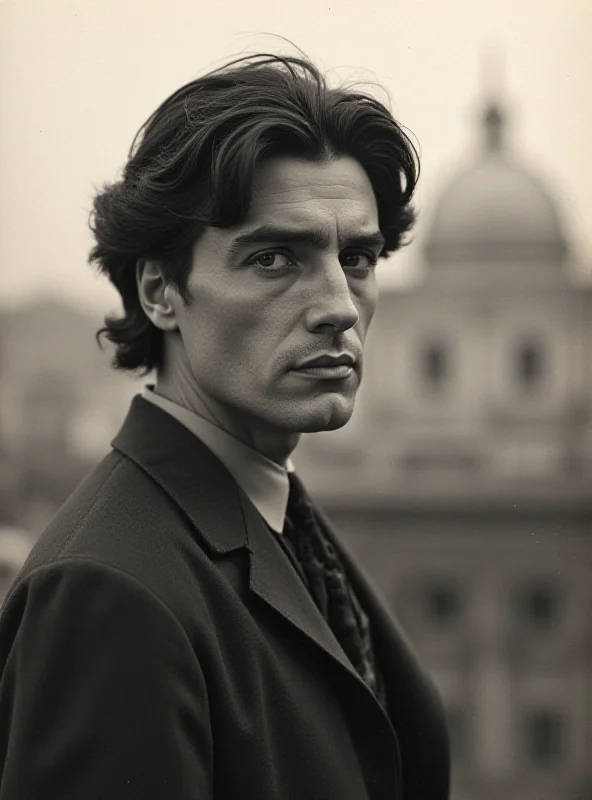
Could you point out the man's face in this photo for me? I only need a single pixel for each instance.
(293, 282)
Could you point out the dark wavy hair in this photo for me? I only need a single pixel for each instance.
(191, 165)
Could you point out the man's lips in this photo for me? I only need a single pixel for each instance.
(326, 360)
(327, 366)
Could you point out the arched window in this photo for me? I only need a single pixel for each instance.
(530, 364)
(544, 737)
(442, 602)
(435, 365)
(431, 604)
(539, 605)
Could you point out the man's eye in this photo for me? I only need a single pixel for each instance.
(271, 261)
(359, 261)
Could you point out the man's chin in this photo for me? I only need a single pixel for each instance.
(318, 427)
(324, 416)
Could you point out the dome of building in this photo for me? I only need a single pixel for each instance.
(495, 209)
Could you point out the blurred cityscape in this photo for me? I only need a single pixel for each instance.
(463, 481)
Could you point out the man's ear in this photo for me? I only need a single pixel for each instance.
(156, 295)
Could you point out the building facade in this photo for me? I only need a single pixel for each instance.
(464, 480)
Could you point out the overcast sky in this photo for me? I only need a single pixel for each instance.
(77, 78)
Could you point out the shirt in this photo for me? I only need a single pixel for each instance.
(263, 481)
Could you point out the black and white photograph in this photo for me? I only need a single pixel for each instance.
(295, 400)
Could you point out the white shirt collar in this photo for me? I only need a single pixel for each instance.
(263, 481)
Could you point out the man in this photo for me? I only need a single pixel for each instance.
(189, 626)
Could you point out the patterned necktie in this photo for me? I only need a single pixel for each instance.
(328, 584)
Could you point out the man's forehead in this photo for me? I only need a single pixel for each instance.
(298, 178)
(320, 206)
(311, 216)
(315, 201)
(300, 205)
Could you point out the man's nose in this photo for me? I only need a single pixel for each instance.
(331, 301)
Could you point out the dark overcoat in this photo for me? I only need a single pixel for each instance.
(158, 644)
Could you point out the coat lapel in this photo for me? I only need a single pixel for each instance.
(187, 471)
(274, 580)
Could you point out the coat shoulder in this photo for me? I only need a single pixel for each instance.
(120, 519)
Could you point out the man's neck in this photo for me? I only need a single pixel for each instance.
(275, 444)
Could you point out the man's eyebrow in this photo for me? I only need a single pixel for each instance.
(280, 235)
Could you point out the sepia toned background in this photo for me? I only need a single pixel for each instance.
(464, 480)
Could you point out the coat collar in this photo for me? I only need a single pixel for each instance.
(187, 471)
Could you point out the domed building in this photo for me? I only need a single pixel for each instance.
(464, 480)
(496, 207)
